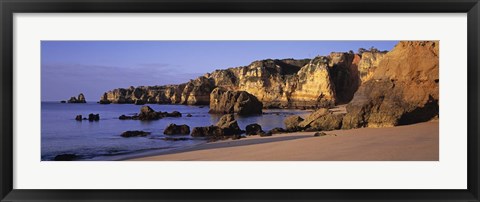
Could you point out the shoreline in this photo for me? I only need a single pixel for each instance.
(415, 142)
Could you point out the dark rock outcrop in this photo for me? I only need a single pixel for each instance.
(66, 157)
(176, 138)
(147, 113)
(292, 123)
(402, 90)
(78, 117)
(229, 124)
(139, 102)
(226, 102)
(135, 133)
(226, 127)
(93, 117)
(254, 129)
(104, 99)
(321, 120)
(79, 99)
(319, 134)
(277, 130)
(208, 131)
(63, 101)
(174, 129)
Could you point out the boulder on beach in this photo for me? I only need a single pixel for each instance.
(240, 102)
(319, 134)
(135, 133)
(254, 129)
(292, 123)
(321, 120)
(79, 99)
(174, 129)
(277, 130)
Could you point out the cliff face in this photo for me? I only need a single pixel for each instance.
(288, 83)
(402, 90)
(240, 102)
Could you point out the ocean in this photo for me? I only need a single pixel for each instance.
(101, 140)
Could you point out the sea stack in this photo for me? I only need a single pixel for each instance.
(79, 99)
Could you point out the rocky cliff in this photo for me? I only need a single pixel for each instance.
(403, 89)
(240, 102)
(309, 83)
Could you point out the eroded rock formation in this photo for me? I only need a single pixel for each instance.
(319, 120)
(226, 102)
(288, 83)
(402, 90)
(79, 99)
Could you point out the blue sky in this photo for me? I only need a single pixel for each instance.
(93, 67)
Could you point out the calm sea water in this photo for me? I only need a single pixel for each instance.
(101, 140)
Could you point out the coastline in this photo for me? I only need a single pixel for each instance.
(415, 142)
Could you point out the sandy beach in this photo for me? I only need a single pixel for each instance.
(416, 142)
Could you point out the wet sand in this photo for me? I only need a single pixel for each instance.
(417, 142)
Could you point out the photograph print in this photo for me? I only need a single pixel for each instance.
(240, 100)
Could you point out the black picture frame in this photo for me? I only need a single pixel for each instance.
(10, 7)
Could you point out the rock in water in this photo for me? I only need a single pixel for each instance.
(174, 129)
(209, 131)
(65, 157)
(225, 102)
(147, 113)
(292, 123)
(174, 114)
(404, 89)
(78, 117)
(226, 127)
(104, 99)
(80, 99)
(93, 117)
(228, 123)
(135, 133)
(254, 129)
